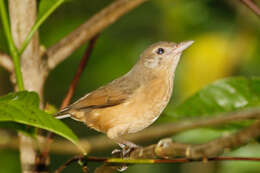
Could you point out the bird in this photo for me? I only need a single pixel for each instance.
(133, 101)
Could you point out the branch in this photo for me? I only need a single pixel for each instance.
(203, 152)
(6, 62)
(70, 161)
(101, 143)
(251, 5)
(86, 31)
(116, 161)
(168, 149)
(45, 153)
(22, 17)
(80, 69)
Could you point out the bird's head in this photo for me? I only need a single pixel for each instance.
(163, 55)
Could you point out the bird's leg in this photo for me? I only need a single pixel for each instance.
(126, 147)
(115, 134)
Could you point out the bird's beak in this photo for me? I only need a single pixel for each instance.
(182, 46)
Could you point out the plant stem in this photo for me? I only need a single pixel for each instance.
(11, 45)
(18, 72)
(38, 23)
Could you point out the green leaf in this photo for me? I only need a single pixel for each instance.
(23, 107)
(250, 151)
(46, 8)
(226, 95)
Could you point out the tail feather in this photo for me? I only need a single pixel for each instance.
(63, 114)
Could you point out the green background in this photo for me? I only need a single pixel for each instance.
(226, 36)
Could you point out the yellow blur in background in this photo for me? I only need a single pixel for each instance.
(213, 56)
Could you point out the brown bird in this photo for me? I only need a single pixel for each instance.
(133, 101)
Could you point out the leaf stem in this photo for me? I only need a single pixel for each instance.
(11, 45)
(38, 23)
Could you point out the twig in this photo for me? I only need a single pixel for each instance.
(251, 5)
(113, 161)
(80, 69)
(160, 131)
(71, 90)
(86, 31)
(167, 148)
(68, 162)
(6, 62)
(101, 143)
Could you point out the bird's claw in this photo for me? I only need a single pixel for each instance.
(122, 168)
(124, 152)
(116, 151)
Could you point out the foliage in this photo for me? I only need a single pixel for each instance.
(225, 95)
(23, 108)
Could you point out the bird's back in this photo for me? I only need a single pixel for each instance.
(114, 93)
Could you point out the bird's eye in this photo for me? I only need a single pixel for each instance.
(160, 51)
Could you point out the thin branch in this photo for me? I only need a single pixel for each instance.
(101, 143)
(168, 149)
(6, 62)
(86, 31)
(147, 161)
(71, 90)
(68, 162)
(202, 152)
(80, 69)
(251, 5)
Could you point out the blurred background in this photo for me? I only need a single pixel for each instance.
(227, 43)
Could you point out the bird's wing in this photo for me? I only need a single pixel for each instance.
(109, 95)
(101, 98)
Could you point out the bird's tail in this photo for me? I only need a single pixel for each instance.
(63, 114)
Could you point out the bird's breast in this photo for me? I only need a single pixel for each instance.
(139, 111)
(154, 98)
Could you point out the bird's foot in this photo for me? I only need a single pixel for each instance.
(122, 168)
(124, 152)
(117, 153)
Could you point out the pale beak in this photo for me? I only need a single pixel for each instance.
(182, 46)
